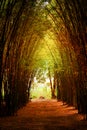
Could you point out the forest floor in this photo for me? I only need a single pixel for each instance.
(44, 115)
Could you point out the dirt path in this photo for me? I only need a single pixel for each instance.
(44, 115)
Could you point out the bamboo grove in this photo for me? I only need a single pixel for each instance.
(23, 26)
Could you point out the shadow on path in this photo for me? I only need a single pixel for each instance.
(44, 115)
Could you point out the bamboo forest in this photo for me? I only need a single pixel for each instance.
(43, 53)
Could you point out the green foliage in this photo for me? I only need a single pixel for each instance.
(38, 92)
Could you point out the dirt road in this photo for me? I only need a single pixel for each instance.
(44, 115)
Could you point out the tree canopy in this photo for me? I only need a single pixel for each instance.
(46, 34)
